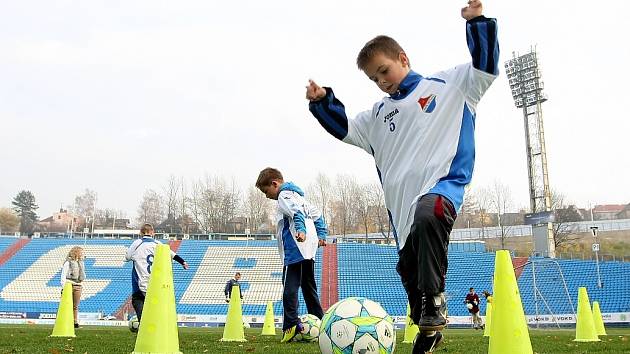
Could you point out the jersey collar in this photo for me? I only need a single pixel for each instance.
(407, 85)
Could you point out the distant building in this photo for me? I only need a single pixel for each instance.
(62, 221)
(179, 225)
(111, 224)
(237, 225)
(625, 213)
(607, 211)
(511, 219)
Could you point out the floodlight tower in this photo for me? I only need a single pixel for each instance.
(526, 85)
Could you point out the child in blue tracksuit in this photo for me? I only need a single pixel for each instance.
(301, 229)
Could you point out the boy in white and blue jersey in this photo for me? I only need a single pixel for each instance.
(301, 229)
(141, 252)
(422, 139)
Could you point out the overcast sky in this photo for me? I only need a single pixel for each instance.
(116, 96)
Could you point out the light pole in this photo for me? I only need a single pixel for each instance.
(596, 250)
(526, 85)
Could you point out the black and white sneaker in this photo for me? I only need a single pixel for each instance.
(433, 316)
(424, 344)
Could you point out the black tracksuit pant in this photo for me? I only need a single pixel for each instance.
(137, 301)
(301, 274)
(423, 259)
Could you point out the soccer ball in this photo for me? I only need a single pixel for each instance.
(469, 306)
(134, 324)
(311, 326)
(357, 325)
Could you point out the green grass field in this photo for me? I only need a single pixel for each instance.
(33, 339)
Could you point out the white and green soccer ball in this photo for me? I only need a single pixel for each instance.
(134, 324)
(311, 326)
(357, 325)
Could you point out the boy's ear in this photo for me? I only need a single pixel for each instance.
(402, 56)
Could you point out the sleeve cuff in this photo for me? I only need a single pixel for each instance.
(480, 18)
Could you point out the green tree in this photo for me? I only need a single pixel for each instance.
(24, 205)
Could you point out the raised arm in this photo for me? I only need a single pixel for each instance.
(481, 36)
(328, 110)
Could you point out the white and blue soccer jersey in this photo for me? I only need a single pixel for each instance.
(141, 252)
(296, 214)
(422, 137)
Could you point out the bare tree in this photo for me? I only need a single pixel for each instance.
(346, 186)
(85, 203)
(184, 219)
(466, 216)
(214, 204)
(320, 192)
(152, 209)
(564, 231)
(9, 221)
(171, 197)
(379, 211)
(483, 196)
(501, 203)
(230, 205)
(205, 203)
(84, 207)
(107, 217)
(362, 206)
(257, 208)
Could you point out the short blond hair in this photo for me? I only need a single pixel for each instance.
(75, 253)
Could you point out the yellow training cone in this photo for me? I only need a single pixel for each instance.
(64, 323)
(597, 318)
(158, 326)
(509, 327)
(411, 329)
(486, 329)
(233, 331)
(269, 328)
(584, 327)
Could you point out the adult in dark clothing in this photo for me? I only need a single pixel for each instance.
(472, 303)
(230, 283)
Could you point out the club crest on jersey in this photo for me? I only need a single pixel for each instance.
(427, 103)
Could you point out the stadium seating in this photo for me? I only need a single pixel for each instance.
(5, 242)
(29, 280)
(552, 296)
(370, 271)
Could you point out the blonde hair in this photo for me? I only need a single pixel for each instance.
(75, 253)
